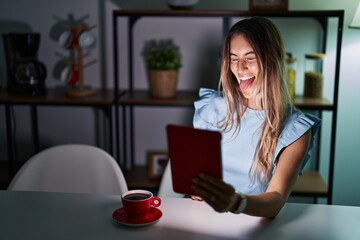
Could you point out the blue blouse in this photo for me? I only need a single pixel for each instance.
(238, 149)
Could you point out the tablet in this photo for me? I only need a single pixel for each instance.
(192, 151)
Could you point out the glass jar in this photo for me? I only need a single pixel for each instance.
(291, 74)
(314, 79)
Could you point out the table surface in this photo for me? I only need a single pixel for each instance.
(34, 215)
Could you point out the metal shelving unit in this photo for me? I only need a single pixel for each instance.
(311, 183)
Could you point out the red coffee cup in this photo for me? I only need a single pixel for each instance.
(137, 203)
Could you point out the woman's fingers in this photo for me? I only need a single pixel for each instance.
(213, 184)
(214, 191)
(197, 198)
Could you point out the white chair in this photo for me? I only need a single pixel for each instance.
(166, 189)
(71, 168)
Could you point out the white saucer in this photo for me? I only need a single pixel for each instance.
(151, 217)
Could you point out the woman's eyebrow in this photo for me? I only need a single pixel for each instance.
(249, 53)
(246, 54)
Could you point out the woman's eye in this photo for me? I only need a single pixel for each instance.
(233, 59)
(250, 59)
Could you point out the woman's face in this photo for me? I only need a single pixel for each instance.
(244, 65)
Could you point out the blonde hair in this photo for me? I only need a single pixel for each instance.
(266, 41)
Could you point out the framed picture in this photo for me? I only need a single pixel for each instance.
(157, 163)
(268, 5)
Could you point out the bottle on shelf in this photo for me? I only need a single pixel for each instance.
(291, 74)
(314, 79)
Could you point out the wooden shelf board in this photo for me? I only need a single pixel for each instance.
(220, 13)
(143, 97)
(313, 103)
(187, 98)
(310, 184)
(58, 96)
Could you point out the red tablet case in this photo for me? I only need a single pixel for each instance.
(192, 151)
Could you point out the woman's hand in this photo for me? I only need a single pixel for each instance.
(218, 194)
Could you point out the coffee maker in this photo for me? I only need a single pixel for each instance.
(25, 74)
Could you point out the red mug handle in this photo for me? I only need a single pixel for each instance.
(155, 201)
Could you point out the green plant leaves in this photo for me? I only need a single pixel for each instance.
(162, 55)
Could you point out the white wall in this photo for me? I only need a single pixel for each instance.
(64, 125)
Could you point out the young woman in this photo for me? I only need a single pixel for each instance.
(266, 140)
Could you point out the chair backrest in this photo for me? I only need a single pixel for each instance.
(166, 189)
(72, 168)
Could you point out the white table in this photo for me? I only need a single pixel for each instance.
(33, 215)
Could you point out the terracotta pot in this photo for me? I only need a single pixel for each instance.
(163, 83)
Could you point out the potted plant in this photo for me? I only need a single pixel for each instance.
(163, 61)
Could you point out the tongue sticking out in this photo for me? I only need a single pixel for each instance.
(246, 84)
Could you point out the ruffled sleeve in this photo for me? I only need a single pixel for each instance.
(295, 126)
(210, 109)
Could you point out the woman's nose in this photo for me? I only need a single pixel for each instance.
(242, 65)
